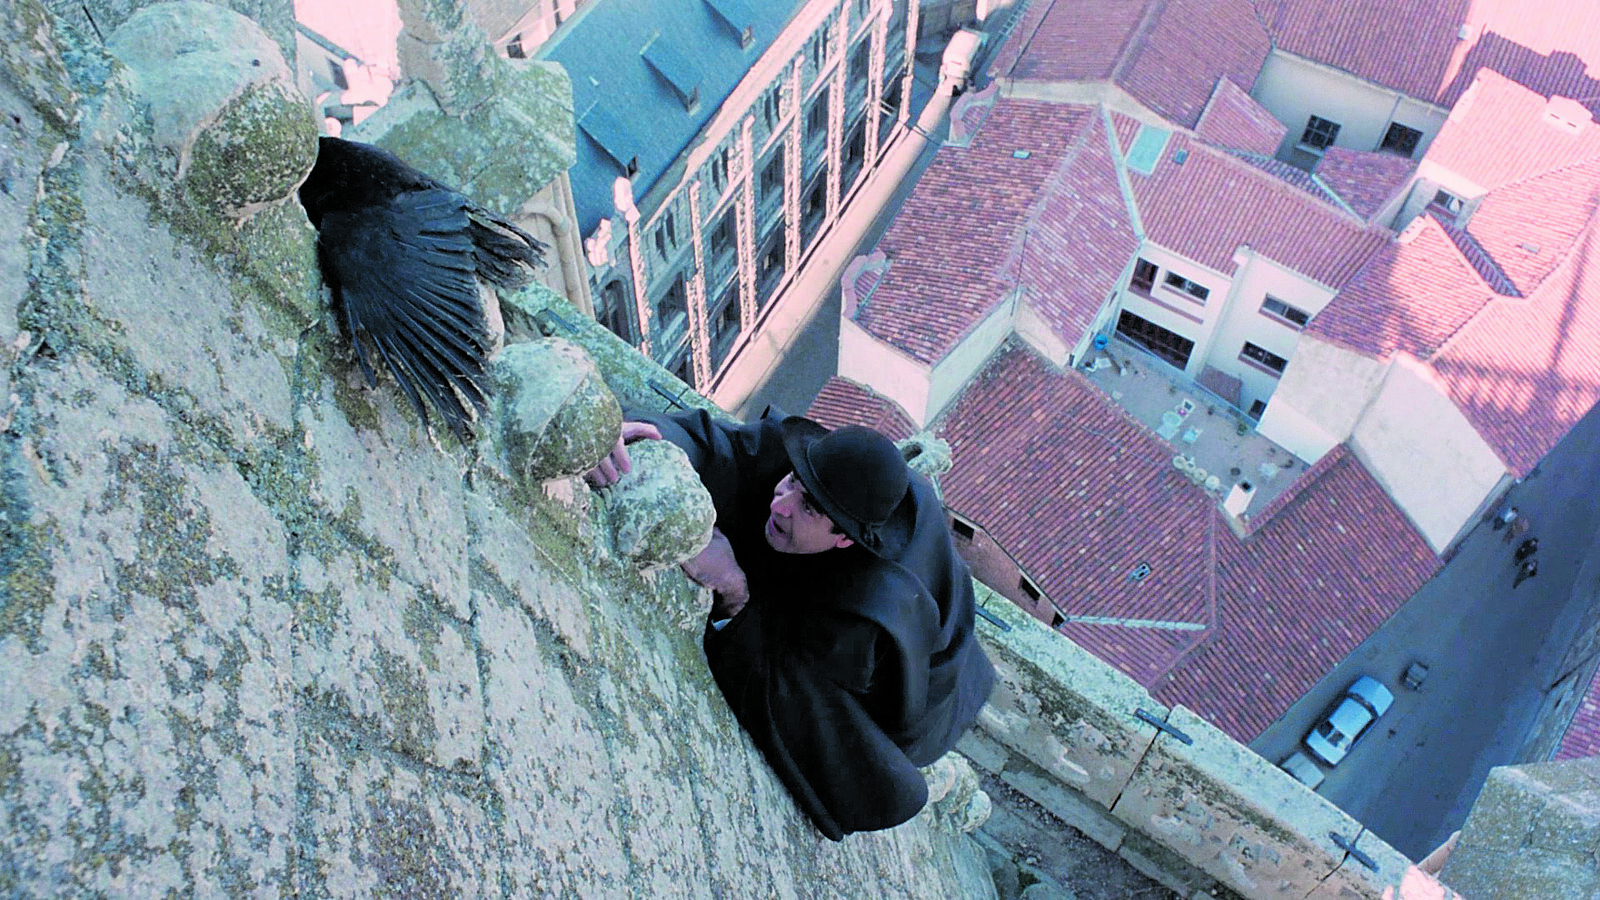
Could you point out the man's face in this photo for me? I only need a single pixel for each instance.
(797, 526)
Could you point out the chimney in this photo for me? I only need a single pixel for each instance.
(1239, 499)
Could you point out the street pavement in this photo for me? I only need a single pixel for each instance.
(1493, 650)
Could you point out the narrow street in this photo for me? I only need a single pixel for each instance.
(1493, 650)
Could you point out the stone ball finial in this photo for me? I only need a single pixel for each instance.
(660, 513)
(553, 414)
(222, 105)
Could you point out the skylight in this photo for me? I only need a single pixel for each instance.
(1147, 148)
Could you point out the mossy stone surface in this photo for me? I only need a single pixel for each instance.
(554, 415)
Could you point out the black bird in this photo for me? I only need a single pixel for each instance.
(402, 254)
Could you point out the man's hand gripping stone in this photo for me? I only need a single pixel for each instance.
(715, 567)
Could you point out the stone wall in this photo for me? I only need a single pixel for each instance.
(1534, 832)
(263, 633)
(1181, 801)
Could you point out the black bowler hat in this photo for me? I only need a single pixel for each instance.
(858, 478)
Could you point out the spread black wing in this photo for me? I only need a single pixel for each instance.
(402, 276)
(401, 253)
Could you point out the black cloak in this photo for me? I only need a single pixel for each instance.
(849, 670)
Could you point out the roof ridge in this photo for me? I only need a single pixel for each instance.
(1236, 158)
(1017, 253)
(1561, 264)
(1130, 52)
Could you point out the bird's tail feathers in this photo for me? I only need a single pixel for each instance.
(506, 255)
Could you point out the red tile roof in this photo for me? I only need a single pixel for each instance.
(1081, 41)
(1080, 493)
(1525, 371)
(1329, 566)
(1582, 737)
(1473, 142)
(1233, 119)
(1168, 54)
(1239, 205)
(1364, 181)
(844, 402)
(1527, 228)
(1078, 240)
(1550, 47)
(980, 215)
(1186, 45)
(1410, 298)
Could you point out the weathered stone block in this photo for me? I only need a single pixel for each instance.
(1068, 805)
(146, 730)
(548, 766)
(1536, 827)
(1232, 814)
(1057, 705)
(497, 129)
(369, 648)
(202, 344)
(375, 828)
(387, 482)
(30, 60)
(518, 560)
(1390, 871)
(660, 513)
(553, 414)
(222, 103)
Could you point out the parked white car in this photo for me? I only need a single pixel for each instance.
(1363, 702)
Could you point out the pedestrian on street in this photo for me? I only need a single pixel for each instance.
(1518, 527)
(1530, 568)
(1527, 548)
(1505, 518)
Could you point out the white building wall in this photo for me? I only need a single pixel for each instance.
(1293, 89)
(1425, 453)
(863, 359)
(1320, 398)
(1242, 320)
(963, 362)
(1175, 310)
(1038, 335)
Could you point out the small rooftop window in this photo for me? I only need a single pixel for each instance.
(605, 130)
(1566, 115)
(1148, 145)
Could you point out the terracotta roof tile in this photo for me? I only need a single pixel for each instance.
(1166, 53)
(1525, 371)
(1173, 65)
(1080, 494)
(1409, 298)
(844, 402)
(1582, 737)
(1233, 119)
(1240, 205)
(1080, 41)
(981, 216)
(1364, 181)
(1472, 143)
(1527, 228)
(1551, 47)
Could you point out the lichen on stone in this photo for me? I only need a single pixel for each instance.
(556, 417)
(660, 513)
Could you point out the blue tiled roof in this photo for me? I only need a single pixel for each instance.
(633, 64)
